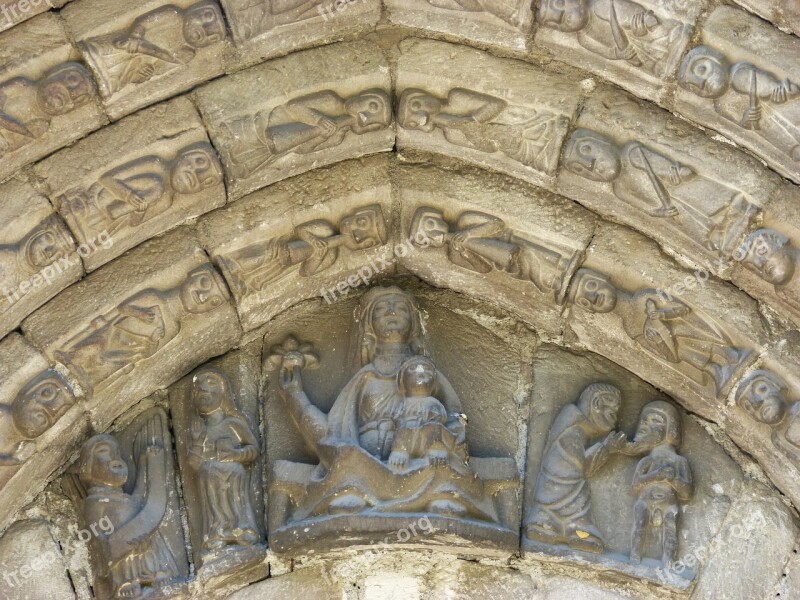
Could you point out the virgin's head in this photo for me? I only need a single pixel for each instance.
(389, 316)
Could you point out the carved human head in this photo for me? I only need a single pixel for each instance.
(45, 245)
(64, 88)
(203, 25)
(659, 423)
(389, 316)
(366, 228)
(416, 108)
(101, 463)
(593, 291)
(592, 155)
(600, 403)
(564, 15)
(705, 72)
(212, 391)
(203, 291)
(429, 224)
(763, 395)
(771, 255)
(371, 109)
(40, 404)
(417, 377)
(195, 169)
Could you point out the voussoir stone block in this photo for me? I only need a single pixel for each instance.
(266, 28)
(496, 113)
(637, 45)
(135, 179)
(47, 98)
(39, 257)
(139, 323)
(13, 12)
(744, 81)
(639, 165)
(783, 13)
(321, 235)
(519, 251)
(688, 334)
(293, 114)
(505, 23)
(146, 51)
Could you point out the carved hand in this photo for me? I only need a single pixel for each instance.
(327, 124)
(615, 441)
(198, 428)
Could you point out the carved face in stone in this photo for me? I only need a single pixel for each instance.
(203, 25)
(195, 170)
(416, 109)
(44, 247)
(40, 404)
(208, 392)
(770, 254)
(202, 291)
(366, 228)
(705, 72)
(371, 110)
(564, 15)
(417, 377)
(600, 402)
(391, 318)
(102, 463)
(762, 395)
(429, 224)
(593, 291)
(592, 155)
(658, 423)
(64, 89)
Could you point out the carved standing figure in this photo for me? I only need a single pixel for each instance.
(771, 256)
(221, 449)
(662, 480)
(507, 10)
(580, 442)
(764, 396)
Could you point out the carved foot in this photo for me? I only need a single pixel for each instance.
(543, 534)
(131, 589)
(437, 458)
(586, 542)
(398, 459)
(347, 505)
(447, 508)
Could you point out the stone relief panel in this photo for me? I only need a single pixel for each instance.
(124, 484)
(634, 44)
(783, 13)
(135, 179)
(307, 110)
(491, 112)
(141, 53)
(275, 251)
(695, 354)
(215, 412)
(505, 23)
(266, 28)
(38, 256)
(155, 299)
(744, 81)
(641, 166)
(47, 98)
(618, 477)
(395, 443)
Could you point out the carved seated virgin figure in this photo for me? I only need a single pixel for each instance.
(393, 443)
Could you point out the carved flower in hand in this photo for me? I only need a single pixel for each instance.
(292, 353)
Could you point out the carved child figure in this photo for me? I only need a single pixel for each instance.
(771, 256)
(421, 431)
(663, 480)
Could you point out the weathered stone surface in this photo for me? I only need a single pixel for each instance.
(135, 179)
(783, 13)
(267, 28)
(639, 165)
(293, 114)
(299, 585)
(32, 565)
(744, 81)
(464, 580)
(504, 23)
(302, 238)
(125, 330)
(496, 113)
(13, 12)
(144, 52)
(39, 257)
(637, 45)
(47, 99)
(629, 301)
(519, 252)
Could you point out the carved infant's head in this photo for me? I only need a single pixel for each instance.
(203, 25)
(592, 155)
(771, 255)
(659, 423)
(416, 109)
(763, 395)
(417, 377)
(45, 245)
(564, 15)
(64, 88)
(101, 463)
(203, 291)
(366, 228)
(195, 169)
(40, 404)
(593, 291)
(705, 72)
(371, 109)
(600, 403)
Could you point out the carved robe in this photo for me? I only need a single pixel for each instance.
(21, 122)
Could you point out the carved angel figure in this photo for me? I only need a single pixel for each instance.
(485, 123)
(509, 11)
